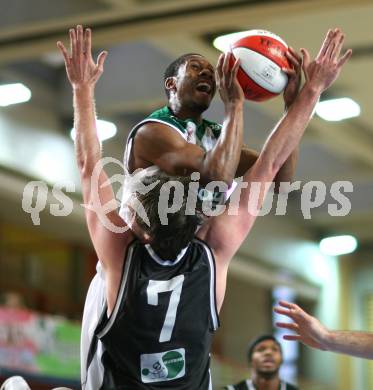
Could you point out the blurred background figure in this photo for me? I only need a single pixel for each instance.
(265, 359)
(12, 300)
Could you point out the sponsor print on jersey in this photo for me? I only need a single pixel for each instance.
(191, 132)
(208, 140)
(163, 366)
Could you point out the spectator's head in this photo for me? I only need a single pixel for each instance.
(265, 355)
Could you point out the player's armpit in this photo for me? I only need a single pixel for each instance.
(247, 160)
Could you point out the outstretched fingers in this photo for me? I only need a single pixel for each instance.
(88, 42)
(99, 66)
(64, 52)
(287, 304)
(73, 47)
(291, 337)
(288, 325)
(325, 45)
(344, 58)
(225, 67)
(219, 67)
(101, 59)
(79, 40)
(306, 61)
(339, 40)
(234, 70)
(279, 310)
(294, 58)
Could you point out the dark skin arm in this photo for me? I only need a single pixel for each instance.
(157, 144)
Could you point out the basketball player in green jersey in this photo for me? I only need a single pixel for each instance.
(164, 365)
(179, 140)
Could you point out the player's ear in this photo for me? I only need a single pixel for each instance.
(170, 84)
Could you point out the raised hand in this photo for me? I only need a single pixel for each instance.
(81, 69)
(308, 329)
(326, 67)
(294, 77)
(226, 80)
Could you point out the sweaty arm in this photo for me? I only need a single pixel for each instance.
(283, 139)
(108, 232)
(320, 74)
(249, 156)
(158, 144)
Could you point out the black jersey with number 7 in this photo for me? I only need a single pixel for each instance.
(159, 333)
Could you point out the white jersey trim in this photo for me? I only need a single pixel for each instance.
(146, 120)
(214, 314)
(127, 151)
(92, 369)
(168, 263)
(114, 313)
(95, 371)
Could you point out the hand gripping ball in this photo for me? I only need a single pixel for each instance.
(262, 56)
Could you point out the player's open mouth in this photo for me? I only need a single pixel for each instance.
(204, 86)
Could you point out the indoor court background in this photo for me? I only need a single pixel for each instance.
(47, 268)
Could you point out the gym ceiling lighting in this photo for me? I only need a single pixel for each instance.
(335, 110)
(14, 94)
(338, 245)
(105, 130)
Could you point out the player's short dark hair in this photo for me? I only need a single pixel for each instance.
(253, 343)
(167, 240)
(173, 68)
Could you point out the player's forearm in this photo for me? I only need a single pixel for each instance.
(287, 171)
(87, 145)
(287, 134)
(358, 344)
(221, 162)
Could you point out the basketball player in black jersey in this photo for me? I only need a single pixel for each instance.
(265, 358)
(213, 150)
(156, 328)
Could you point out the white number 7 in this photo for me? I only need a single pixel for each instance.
(158, 286)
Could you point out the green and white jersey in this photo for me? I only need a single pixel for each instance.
(204, 134)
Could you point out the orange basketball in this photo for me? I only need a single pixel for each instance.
(262, 56)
